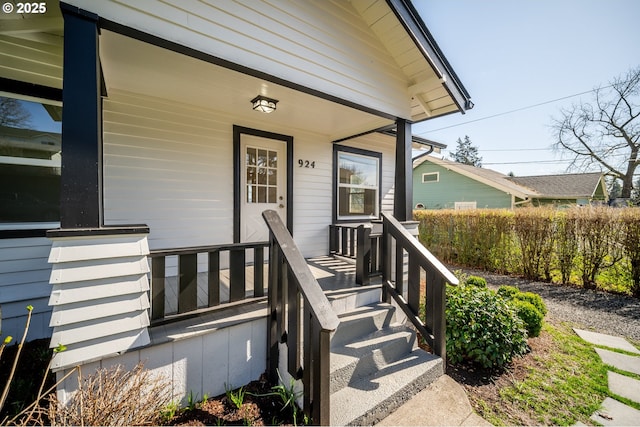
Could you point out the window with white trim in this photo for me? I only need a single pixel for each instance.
(430, 177)
(358, 184)
(463, 206)
(30, 160)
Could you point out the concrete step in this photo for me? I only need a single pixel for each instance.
(365, 356)
(372, 398)
(362, 321)
(346, 300)
(376, 365)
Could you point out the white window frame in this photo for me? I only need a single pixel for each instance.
(437, 174)
(55, 162)
(463, 206)
(339, 185)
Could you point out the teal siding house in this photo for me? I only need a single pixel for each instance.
(443, 184)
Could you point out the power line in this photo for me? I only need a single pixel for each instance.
(515, 110)
(516, 149)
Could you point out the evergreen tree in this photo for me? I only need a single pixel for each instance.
(635, 194)
(614, 189)
(466, 153)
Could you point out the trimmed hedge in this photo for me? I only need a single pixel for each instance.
(588, 246)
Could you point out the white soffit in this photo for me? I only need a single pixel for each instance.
(138, 67)
(31, 46)
(429, 98)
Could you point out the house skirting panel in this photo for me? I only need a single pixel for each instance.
(199, 356)
(99, 293)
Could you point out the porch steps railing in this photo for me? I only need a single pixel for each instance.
(405, 288)
(361, 244)
(218, 291)
(401, 259)
(299, 312)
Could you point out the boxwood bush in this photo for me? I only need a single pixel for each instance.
(482, 328)
(533, 299)
(530, 315)
(529, 306)
(476, 281)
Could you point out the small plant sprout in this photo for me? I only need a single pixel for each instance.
(288, 396)
(237, 398)
(60, 348)
(5, 392)
(169, 411)
(6, 342)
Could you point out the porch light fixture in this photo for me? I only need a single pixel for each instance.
(264, 104)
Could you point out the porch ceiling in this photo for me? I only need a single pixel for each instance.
(138, 67)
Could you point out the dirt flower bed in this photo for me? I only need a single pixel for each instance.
(259, 406)
(483, 385)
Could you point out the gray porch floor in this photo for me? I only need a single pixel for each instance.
(332, 274)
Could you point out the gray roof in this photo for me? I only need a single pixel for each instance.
(566, 185)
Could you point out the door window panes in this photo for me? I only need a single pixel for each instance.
(262, 175)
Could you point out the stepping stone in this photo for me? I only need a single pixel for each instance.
(614, 413)
(624, 386)
(620, 361)
(606, 340)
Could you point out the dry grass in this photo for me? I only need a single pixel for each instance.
(114, 397)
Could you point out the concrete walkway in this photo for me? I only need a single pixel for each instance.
(624, 357)
(444, 402)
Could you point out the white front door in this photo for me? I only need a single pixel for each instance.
(262, 184)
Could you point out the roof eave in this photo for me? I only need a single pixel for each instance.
(417, 29)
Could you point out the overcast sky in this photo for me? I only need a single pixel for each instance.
(512, 55)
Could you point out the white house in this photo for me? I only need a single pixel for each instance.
(182, 122)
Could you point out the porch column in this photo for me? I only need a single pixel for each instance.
(81, 177)
(99, 274)
(403, 183)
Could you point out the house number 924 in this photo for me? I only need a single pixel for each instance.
(306, 164)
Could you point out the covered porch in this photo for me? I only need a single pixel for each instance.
(228, 202)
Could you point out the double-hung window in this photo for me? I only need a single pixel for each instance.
(30, 156)
(358, 183)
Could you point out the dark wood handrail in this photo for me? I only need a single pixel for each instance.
(210, 248)
(294, 322)
(188, 273)
(437, 276)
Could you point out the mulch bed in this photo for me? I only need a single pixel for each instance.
(260, 407)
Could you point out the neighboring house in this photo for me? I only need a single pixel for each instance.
(167, 154)
(444, 184)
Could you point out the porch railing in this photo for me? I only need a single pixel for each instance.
(359, 243)
(396, 284)
(299, 312)
(188, 276)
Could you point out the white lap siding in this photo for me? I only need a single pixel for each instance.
(168, 166)
(24, 280)
(322, 45)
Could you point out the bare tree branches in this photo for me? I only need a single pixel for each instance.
(604, 133)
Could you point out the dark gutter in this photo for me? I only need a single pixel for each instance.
(417, 29)
(417, 139)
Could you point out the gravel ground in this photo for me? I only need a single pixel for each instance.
(594, 310)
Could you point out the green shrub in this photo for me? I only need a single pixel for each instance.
(533, 299)
(482, 327)
(477, 281)
(508, 292)
(530, 315)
